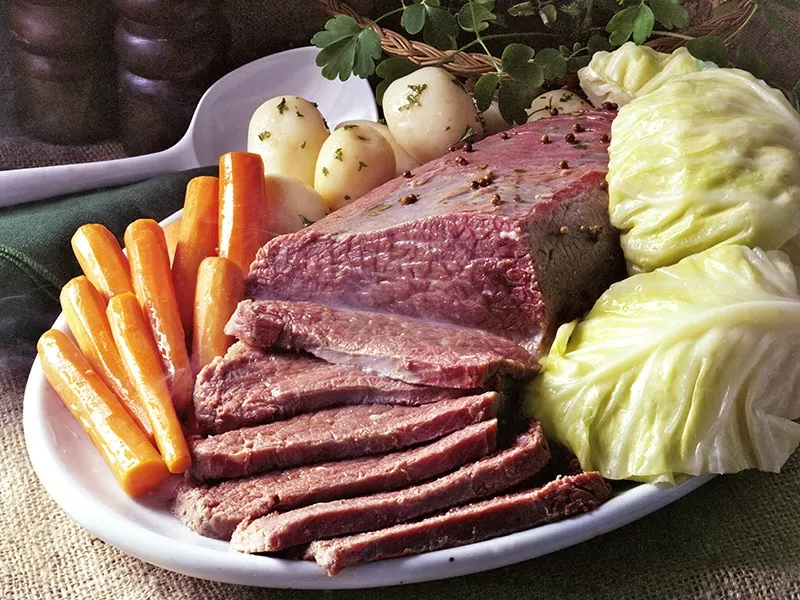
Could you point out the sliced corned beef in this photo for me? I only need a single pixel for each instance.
(559, 499)
(394, 346)
(485, 477)
(215, 511)
(332, 434)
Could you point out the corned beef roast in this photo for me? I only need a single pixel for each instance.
(379, 343)
(512, 237)
(249, 386)
(391, 345)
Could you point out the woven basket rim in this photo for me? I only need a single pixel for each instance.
(471, 64)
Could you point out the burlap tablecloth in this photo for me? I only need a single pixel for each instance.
(736, 537)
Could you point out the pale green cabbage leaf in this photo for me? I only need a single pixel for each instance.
(631, 71)
(708, 158)
(687, 370)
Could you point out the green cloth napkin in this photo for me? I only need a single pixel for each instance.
(36, 257)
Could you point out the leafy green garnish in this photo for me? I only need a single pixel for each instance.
(438, 25)
(390, 70)
(346, 49)
(476, 15)
(633, 22)
(669, 14)
(710, 48)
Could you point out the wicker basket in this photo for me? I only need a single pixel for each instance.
(472, 65)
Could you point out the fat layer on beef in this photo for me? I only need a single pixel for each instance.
(485, 477)
(250, 386)
(559, 499)
(214, 511)
(391, 345)
(332, 434)
(512, 237)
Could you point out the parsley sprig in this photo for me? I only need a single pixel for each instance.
(458, 25)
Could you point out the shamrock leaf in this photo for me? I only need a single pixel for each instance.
(516, 64)
(438, 26)
(523, 9)
(346, 49)
(552, 63)
(709, 47)
(391, 69)
(513, 98)
(548, 14)
(476, 15)
(669, 13)
(484, 90)
(634, 21)
(643, 24)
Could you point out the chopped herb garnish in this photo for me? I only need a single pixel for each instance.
(362, 138)
(375, 210)
(519, 170)
(304, 221)
(338, 154)
(361, 164)
(482, 165)
(469, 134)
(298, 113)
(346, 197)
(580, 146)
(325, 171)
(412, 99)
(349, 127)
(264, 135)
(282, 106)
(303, 145)
(447, 128)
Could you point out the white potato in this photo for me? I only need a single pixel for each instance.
(403, 161)
(287, 131)
(292, 204)
(427, 111)
(352, 161)
(493, 121)
(564, 101)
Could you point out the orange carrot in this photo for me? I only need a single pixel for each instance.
(197, 239)
(102, 260)
(171, 233)
(143, 364)
(131, 457)
(220, 287)
(243, 216)
(152, 281)
(85, 310)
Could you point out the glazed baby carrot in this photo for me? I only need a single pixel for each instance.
(132, 459)
(102, 260)
(197, 239)
(220, 287)
(85, 310)
(143, 365)
(152, 282)
(243, 216)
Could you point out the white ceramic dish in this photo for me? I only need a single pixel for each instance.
(75, 476)
(219, 125)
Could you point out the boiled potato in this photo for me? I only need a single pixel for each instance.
(352, 161)
(493, 121)
(292, 204)
(428, 111)
(403, 161)
(287, 131)
(564, 101)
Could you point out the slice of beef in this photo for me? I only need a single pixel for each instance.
(559, 499)
(512, 237)
(485, 477)
(214, 511)
(332, 434)
(250, 386)
(391, 345)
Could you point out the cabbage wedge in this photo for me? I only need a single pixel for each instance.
(707, 159)
(631, 71)
(687, 370)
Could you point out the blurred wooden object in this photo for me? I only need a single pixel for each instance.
(168, 52)
(63, 65)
